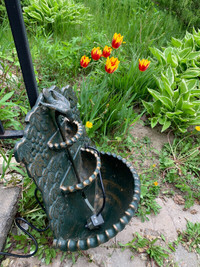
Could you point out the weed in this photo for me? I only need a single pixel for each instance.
(180, 163)
(142, 244)
(191, 236)
(8, 165)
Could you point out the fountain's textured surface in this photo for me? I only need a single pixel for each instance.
(54, 150)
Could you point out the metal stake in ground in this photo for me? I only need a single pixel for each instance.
(15, 17)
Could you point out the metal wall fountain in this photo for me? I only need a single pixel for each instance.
(89, 196)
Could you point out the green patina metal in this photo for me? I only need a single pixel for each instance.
(54, 152)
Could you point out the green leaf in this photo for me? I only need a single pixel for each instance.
(193, 55)
(176, 42)
(173, 114)
(196, 102)
(36, 16)
(191, 84)
(6, 97)
(148, 106)
(195, 121)
(182, 129)
(96, 125)
(168, 51)
(183, 87)
(165, 100)
(158, 54)
(191, 73)
(171, 247)
(45, 7)
(179, 103)
(183, 53)
(172, 60)
(170, 75)
(157, 107)
(189, 42)
(154, 122)
(176, 95)
(167, 86)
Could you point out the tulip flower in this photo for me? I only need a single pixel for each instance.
(143, 64)
(107, 51)
(89, 124)
(111, 64)
(117, 40)
(84, 61)
(96, 53)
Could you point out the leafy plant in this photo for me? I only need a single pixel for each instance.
(55, 15)
(177, 98)
(2, 10)
(180, 163)
(45, 251)
(7, 164)
(9, 111)
(191, 236)
(148, 203)
(142, 244)
(110, 113)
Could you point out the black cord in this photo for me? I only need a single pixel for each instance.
(101, 183)
(27, 233)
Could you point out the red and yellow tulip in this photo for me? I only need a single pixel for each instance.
(84, 61)
(107, 51)
(96, 53)
(117, 40)
(111, 64)
(143, 64)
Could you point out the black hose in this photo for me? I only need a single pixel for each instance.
(27, 233)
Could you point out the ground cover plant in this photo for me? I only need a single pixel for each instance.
(177, 96)
(55, 16)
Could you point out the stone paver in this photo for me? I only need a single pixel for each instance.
(185, 258)
(171, 218)
(8, 199)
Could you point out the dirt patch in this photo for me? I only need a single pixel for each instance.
(157, 138)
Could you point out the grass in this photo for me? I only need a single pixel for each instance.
(148, 246)
(139, 21)
(191, 237)
(180, 165)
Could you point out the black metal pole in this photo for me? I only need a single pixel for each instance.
(1, 128)
(15, 17)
